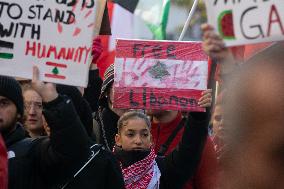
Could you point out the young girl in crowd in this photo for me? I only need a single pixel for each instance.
(140, 165)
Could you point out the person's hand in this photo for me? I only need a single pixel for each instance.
(97, 49)
(206, 99)
(47, 91)
(213, 44)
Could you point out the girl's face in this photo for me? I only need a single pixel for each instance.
(134, 135)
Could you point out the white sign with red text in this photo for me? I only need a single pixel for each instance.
(54, 35)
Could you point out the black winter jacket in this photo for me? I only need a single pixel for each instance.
(180, 165)
(102, 172)
(107, 123)
(51, 162)
(93, 91)
(32, 161)
(105, 119)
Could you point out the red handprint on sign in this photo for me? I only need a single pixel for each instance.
(160, 74)
(83, 10)
(133, 72)
(185, 73)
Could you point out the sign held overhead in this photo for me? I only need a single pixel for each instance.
(166, 75)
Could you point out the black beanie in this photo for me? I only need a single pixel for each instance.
(82, 107)
(11, 89)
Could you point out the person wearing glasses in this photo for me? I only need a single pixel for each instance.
(33, 117)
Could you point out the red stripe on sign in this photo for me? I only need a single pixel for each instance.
(157, 99)
(160, 50)
(56, 64)
(55, 76)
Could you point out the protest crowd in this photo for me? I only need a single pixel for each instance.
(110, 135)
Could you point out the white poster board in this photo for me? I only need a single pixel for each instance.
(55, 35)
(241, 22)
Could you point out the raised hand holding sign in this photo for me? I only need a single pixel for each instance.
(165, 75)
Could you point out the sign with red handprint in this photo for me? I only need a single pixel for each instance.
(165, 75)
(55, 35)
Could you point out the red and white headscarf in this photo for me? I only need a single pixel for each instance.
(144, 174)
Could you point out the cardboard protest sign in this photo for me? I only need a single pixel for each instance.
(165, 75)
(247, 21)
(54, 35)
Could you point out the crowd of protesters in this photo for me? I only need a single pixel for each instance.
(57, 136)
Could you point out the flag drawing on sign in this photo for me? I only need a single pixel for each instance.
(159, 71)
(175, 74)
(166, 75)
(6, 50)
(153, 13)
(55, 72)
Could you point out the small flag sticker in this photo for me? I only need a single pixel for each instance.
(6, 50)
(55, 72)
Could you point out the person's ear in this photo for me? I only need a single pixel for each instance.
(118, 140)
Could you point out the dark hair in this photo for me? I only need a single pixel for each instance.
(131, 115)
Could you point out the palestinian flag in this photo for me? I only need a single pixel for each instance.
(121, 21)
(153, 13)
(105, 26)
(6, 50)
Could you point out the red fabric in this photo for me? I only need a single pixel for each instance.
(238, 52)
(251, 50)
(243, 53)
(139, 174)
(3, 166)
(97, 49)
(209, 69)
(160, 135)
(206, 175)
(106, 58)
